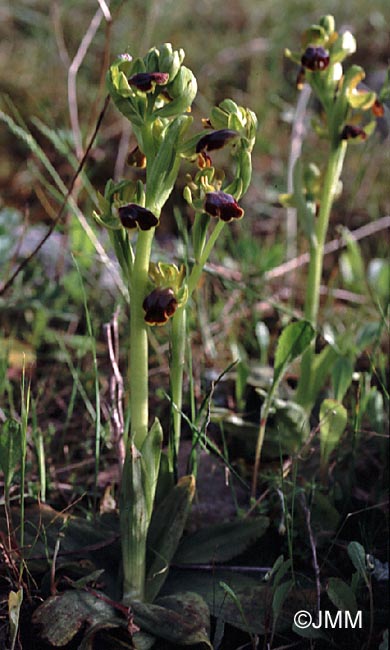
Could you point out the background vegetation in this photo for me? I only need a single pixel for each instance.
(236, 49)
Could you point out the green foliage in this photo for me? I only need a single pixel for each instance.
(10, 451)
(293, 341)
(342, 595)
(333, 420)
(220, 542)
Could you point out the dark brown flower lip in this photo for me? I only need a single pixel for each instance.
(315, 58)
(223, 206)
(145, 81)
(133, 215)
(159, 306)
(350, 131)
(215, 140)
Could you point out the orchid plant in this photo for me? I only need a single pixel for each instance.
(155, 94)
(343, 120)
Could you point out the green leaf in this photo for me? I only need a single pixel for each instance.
(341, 595)
(151, 454)
(233, 596)
(280, 569)
(333, 420)
(278, 600)
(220, 542)
(10, 449)
(368, 335)
(357, 556)
(165, 531)
(341, 374)
(293, 341)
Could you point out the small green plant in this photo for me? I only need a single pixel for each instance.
(342, 121)
(155, 94)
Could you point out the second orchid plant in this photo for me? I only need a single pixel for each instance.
(155, 94)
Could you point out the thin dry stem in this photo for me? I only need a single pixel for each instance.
(61, 211)
(116, 387)
(313, 547)
(297, 135)
(72, 77)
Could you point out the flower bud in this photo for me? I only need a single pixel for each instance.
(170, 60)
(133, 215)
(222, 205)
(315, 58)
(328, 24)
(159, 306)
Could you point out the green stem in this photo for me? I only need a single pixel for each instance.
(178, 346)
(197, 269)
(260, 437)
(332, 176)
(138, 353)
(305, 394)
(134, 511)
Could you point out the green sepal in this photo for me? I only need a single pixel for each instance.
(293, 56)
(169, 276)
(315, 35)
(328, 24)
(182, 91)
(123, 96)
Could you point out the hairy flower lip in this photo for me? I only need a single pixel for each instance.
(215, 140)
(133, 215)
(223, 206)
(159, 306)
(350, 131)
(315, 58)
(145, 81)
